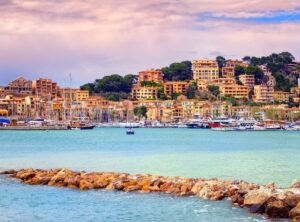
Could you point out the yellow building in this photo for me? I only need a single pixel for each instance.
(281, 96)
(205, 70)
(81, 95)
(263, 93)
(247, 80)
(146, 92)
(234, 90)
(175, 87)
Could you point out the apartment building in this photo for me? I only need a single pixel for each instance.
(153, 75)
(281, 96)
(263, 93)
(234, 90)
(74, 94)
(205, 70)
(45, 88)
(175, 87)
(247, 80)
(146, 92)
(222, 81)
(20, 87)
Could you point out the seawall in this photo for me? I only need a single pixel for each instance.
(261, 199)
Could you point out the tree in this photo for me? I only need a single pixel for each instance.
(191, 91)
(239, 70)
(140, 111)
(256, 71)
(221, 61)
(215, 90)
(89, 86)
(179, 71)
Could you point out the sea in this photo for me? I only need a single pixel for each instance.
(260, 157)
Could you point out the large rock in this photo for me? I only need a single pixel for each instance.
(256, 201)
(277, 208)
(295, 213)
(85, 185)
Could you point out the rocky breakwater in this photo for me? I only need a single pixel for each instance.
(262, 199)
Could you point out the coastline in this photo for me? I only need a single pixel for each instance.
(261, 199)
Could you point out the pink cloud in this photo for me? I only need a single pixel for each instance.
(93, 38)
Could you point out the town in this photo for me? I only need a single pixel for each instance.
(206, 88)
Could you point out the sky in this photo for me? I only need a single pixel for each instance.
(93, 38)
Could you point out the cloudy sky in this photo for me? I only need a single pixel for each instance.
(93, 38)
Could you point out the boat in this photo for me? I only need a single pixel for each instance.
(75, 125)
(222, 122)
(197, 123)
(130, 131)
(224, 128)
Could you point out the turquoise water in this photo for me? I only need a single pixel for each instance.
(260, 157)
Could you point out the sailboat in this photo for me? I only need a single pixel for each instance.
(129, 130)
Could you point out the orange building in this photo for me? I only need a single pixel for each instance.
(228, 69)
(234, 90)
(228, 72)
(152, 75)
(175, 87)
(45, 87)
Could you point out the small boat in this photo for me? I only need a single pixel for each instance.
(130, 131)
(75, 125)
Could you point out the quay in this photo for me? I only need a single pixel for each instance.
(35, 128)
(266, 200)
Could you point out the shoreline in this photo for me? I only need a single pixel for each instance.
(260, 199)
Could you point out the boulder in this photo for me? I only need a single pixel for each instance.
(85, 185)
(295, 213)
(277, 208)
(100, 183)
(295, 184)
(256, 201)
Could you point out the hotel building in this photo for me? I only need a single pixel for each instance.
(281, 96)
(205, 70)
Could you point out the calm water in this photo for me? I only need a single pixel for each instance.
(260, 157)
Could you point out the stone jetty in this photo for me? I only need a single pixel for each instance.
(260, 199)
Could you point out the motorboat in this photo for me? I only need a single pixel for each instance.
(130, 131)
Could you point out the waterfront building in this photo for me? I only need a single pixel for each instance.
(144, 92)
(241, 112)
(263, 93)
(234, 90)
(20, 87)
(175, 87)
(281, 96)
(299, 83)
(152, 75)
(247, 80)
(205, 70)
(45, 88)
(221, 109)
